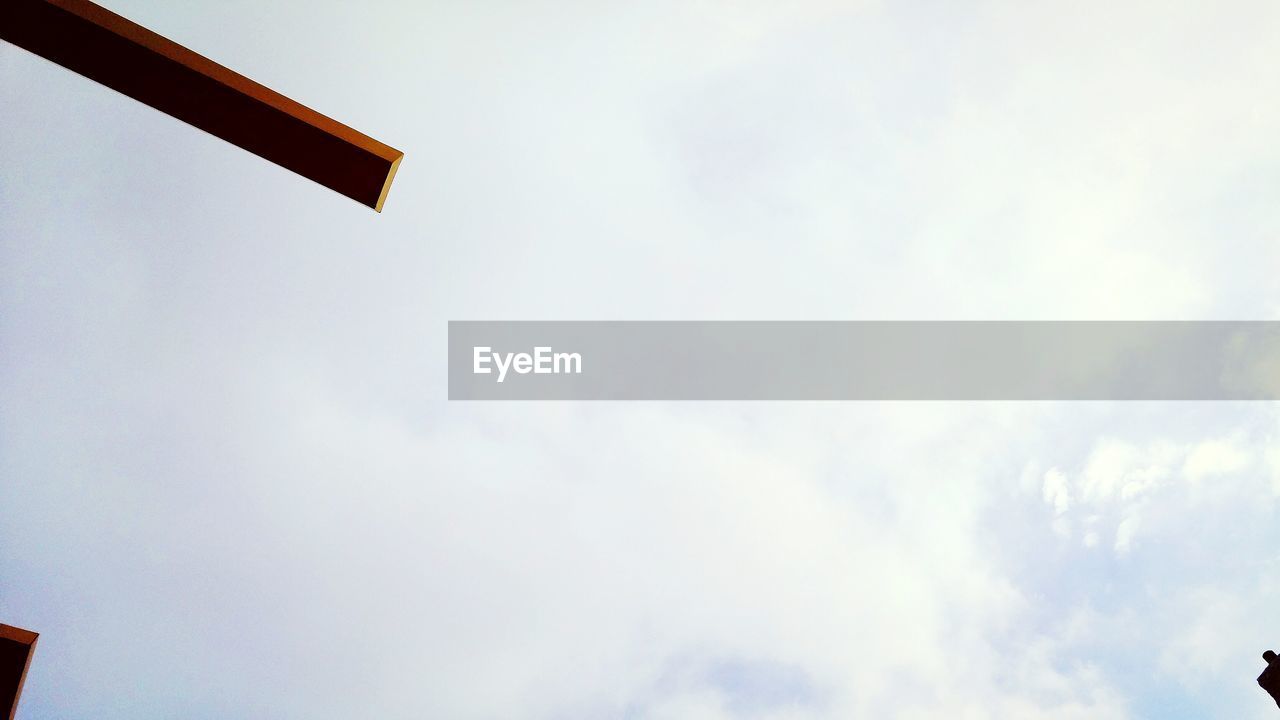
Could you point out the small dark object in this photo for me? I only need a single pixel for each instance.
(1270, 678)
(16, 648)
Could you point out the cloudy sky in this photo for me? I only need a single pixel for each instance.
(231, 485)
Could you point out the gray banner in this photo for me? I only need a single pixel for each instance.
(864, 360)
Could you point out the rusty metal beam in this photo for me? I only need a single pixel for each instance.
(16, 648)
(103, 46)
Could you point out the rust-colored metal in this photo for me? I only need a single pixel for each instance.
(103, 46)
(16, 648)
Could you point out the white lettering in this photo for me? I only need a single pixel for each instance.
(542, 362)
(572, 363)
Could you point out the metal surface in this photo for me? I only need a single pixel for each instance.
(16, 648)
(126, 57)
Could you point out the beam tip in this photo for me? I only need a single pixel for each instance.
(386, 186)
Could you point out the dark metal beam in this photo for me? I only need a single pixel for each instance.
(95, 42)
(16, 648)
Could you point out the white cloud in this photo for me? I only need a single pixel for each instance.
(1121, 482)
(226, 448)
(1057, 491)
(1214, 458)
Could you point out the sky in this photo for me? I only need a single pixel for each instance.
(231, 484)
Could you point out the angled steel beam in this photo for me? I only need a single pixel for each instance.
(16, 648)
(95, 42)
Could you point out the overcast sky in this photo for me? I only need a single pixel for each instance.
(231, 485)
